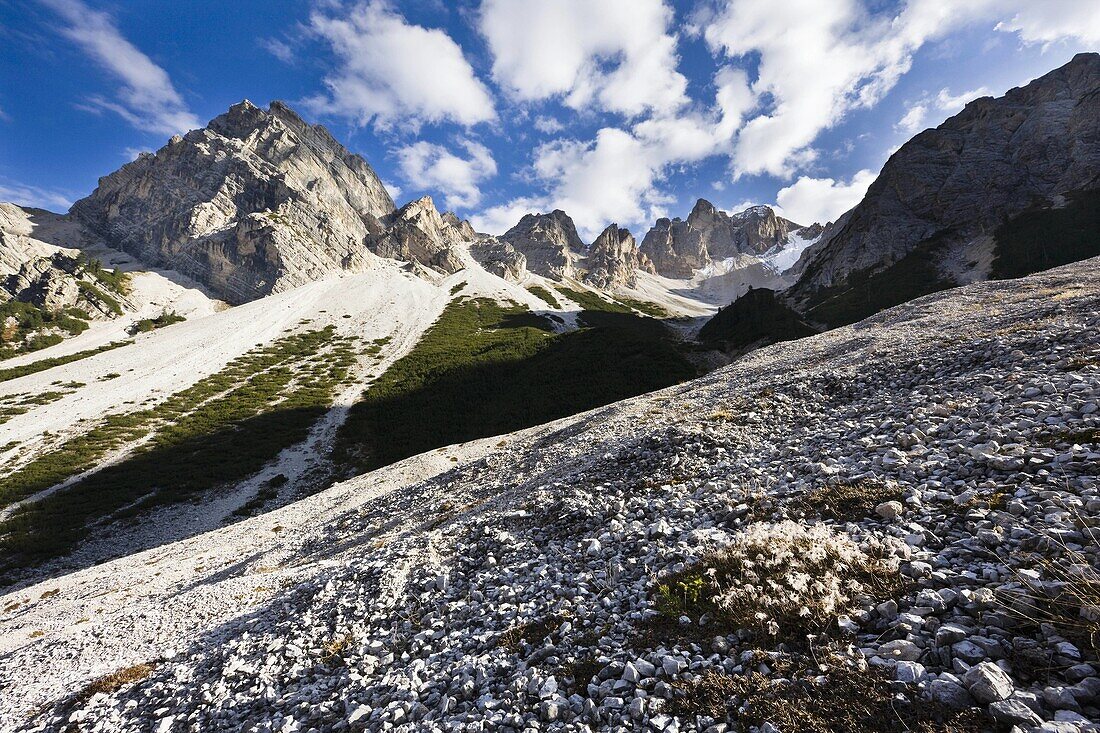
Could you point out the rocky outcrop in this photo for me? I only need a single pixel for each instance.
(256, 202)
(418, 233)
(953, 185)
(48, 276)
(613, 260)
(499, 258)
(549, 242)
(677, 247)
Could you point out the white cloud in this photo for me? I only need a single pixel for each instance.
(393, 189)
(812, 64)
(429, 166)
(618, 54)
(391, 71)
(817, 61)
(34, 197)
(919, 116)
(809, 200)
(548, 125)
(278, 48)
(499, 219)
(1049, 21)
(132, 154)
(913, 119)
(147, 99)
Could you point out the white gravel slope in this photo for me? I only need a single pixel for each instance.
(380, 603)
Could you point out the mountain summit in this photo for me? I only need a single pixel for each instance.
(256, 202)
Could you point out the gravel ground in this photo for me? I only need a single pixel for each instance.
(514, 584)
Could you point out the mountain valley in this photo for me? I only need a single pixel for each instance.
(279, 454)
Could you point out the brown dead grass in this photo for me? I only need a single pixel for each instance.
(792, 699)
(115, 681)
(843, 500)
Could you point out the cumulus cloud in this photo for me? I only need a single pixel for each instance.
(390, 70)
(427, 166)
(786, 72)
(1051, 21)
(147, 99)
(816, 62)
(618, 54)
(943, 104)
(809, 200)
(502, 217)
(34, 197)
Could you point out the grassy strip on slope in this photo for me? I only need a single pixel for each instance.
(544, 295)
(484, 369)
(220, 430)
(167, 318)
(590, 301)
(645, 307)
(44, 364)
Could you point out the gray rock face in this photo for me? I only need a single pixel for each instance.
(418, 233)
(499, 258)
(678, 247)
(48, 276)
(256, 202)
(549, 242)
(613, 259)
(957, 182)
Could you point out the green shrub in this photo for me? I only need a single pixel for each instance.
(589, 300)
(91, 292)
(545, 296)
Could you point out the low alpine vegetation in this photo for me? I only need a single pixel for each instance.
(783, 580)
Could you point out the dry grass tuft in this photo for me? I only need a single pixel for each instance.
(797, 697)
(1059, 587)
(785, 581)
(115, 681)
(843, 500)
(533, 632)
(333, 650)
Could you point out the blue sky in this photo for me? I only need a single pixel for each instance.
(615, 110)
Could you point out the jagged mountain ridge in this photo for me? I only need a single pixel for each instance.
(259, 202)
(679, 247)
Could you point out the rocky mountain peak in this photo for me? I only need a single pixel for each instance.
(677, 247)
(549, 242)
(256, 202)
(612, 259)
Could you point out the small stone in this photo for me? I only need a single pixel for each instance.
(988, 683)
(968, 651)
(908, 672)
(948, 634)
(1014, 712)
(549, 711)
(889, 510)
(900, 649)
(951, 694)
